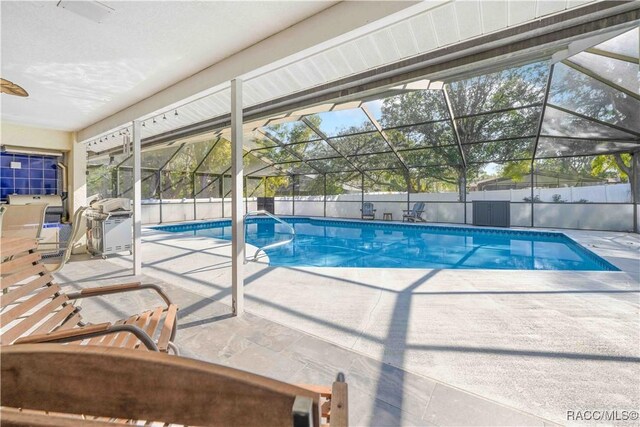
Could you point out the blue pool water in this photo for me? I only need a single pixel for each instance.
(334, 243)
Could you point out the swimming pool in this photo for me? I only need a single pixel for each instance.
(347, 243)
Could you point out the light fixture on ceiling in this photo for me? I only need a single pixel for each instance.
(176, 113)
(164, 117)
(11, 88)
(34, 151)
(91, 10)
(154, 121)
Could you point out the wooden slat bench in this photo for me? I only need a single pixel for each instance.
(105, 386)
(33, 309)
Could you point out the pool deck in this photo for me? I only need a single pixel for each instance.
(420, 347)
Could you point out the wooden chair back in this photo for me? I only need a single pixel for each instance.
(113, 383)
(31, 302)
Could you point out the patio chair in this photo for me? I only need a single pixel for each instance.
(23, 220)
(65, 386)
(414, 214)
(367, 211)
(34, 309)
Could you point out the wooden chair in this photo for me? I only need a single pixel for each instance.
(23, 220)
(367, 211)
(415, 214)
(33, 309)
(90, 386)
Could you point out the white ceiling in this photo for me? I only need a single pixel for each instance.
(78, 71)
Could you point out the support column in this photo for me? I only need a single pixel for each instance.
(324, 192)
(137, 201)
(293, 195)
(246, 198)
(408, 191)
(237, 218)
(532, 191)
(635, 180)
(463, 193)
(361, 193)
(116, 188)
(77, 185)
(159, 175)
(535, 147)
(193, 194)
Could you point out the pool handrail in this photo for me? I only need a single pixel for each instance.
(272, 245)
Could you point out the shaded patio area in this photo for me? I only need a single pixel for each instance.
(412, 343)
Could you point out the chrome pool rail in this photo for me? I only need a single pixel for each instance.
(272, 245)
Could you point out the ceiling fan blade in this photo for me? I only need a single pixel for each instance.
(11, 88)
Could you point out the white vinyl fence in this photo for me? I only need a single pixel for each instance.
(602, 207)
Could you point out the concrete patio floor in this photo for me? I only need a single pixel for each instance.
(418, 346)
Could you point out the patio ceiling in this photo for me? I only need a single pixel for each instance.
(401, 39)
(587, 104)
(414, 31)
(79, 71)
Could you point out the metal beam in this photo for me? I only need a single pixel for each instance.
(237, 216)
(501, 110)
(171, 157)
(635, 164)
(613, 55)
(193, 176)
(540, 122)
(454, 125)
(375, 123)
(325, 138)
(221, 175)
(137, 200)
(324, 192)
(582, 138)
(267, 161)
(206, 156)
(159, 179)
(591, 119)
(282, 145)
(462, 192)
(601, 79)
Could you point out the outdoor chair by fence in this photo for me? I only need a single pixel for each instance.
(34, 309)
(56, 385)
(414, 214)
(22, 220)
(367, 211)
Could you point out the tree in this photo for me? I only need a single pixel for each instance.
(508, 89)
(619, 165)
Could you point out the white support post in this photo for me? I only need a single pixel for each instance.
(237, 217)
(137, 201)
